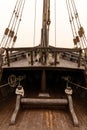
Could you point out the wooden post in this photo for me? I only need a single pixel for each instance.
(85, 71)
(15, 113)
(8, 61)
(31, 57)
(79, 59)
(55, 54)
(1, 63)
(68, 91)
(43, 81)
(71, 109)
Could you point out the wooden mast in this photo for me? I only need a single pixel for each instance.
(45, 24)
(45, 39)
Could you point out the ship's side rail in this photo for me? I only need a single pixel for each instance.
(73, 56)
(14, 54)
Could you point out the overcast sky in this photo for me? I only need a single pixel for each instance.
(26, 29)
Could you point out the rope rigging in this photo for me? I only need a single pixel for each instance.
(79, 37)
(13, 26)
(10, 34)
(81, 32)
(16, 30)
(72, 23)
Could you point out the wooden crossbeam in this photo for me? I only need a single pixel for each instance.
(48, 102)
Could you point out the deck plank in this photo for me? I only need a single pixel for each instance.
(29, 119)
(62, 64)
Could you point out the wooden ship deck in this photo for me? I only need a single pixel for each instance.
(43, 119)
(43, 87)
(50, 118)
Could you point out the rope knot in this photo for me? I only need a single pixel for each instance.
(19, 90)
(68, 91)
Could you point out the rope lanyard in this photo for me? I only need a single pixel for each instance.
(78, 35)
(10, 35)
(12, 29)
(71, 19)
(15, 19)
(80, 28)
(17, 27)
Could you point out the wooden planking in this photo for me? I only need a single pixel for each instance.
(63, 64)
(42, 119)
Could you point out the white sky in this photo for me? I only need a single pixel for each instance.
(26, 29)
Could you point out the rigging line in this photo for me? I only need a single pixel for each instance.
(13, 20)
(19, 22)
(20, 16)
(2, 41)
(9, 22)
(82, 42)
(13, 11)
(74, 23)
(17, 14)
(13, 24)
(16, 20)
(55, 19)
(85, 40)
(74, 32)
(77, 18)
(34, 36)
(78, 21)
(70, 18)
(77, 85)
(75, 13)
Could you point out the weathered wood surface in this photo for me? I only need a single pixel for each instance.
(63, 64)
(17, 108)
(42, 119)
(45, 102)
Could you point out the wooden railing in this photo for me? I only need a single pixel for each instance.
(13, 54)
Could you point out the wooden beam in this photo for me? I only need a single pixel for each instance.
(71, 108)
(17, 107)
(79, 59)
(8, 60)
(38, 101)
(43, 81)
(54, 49)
